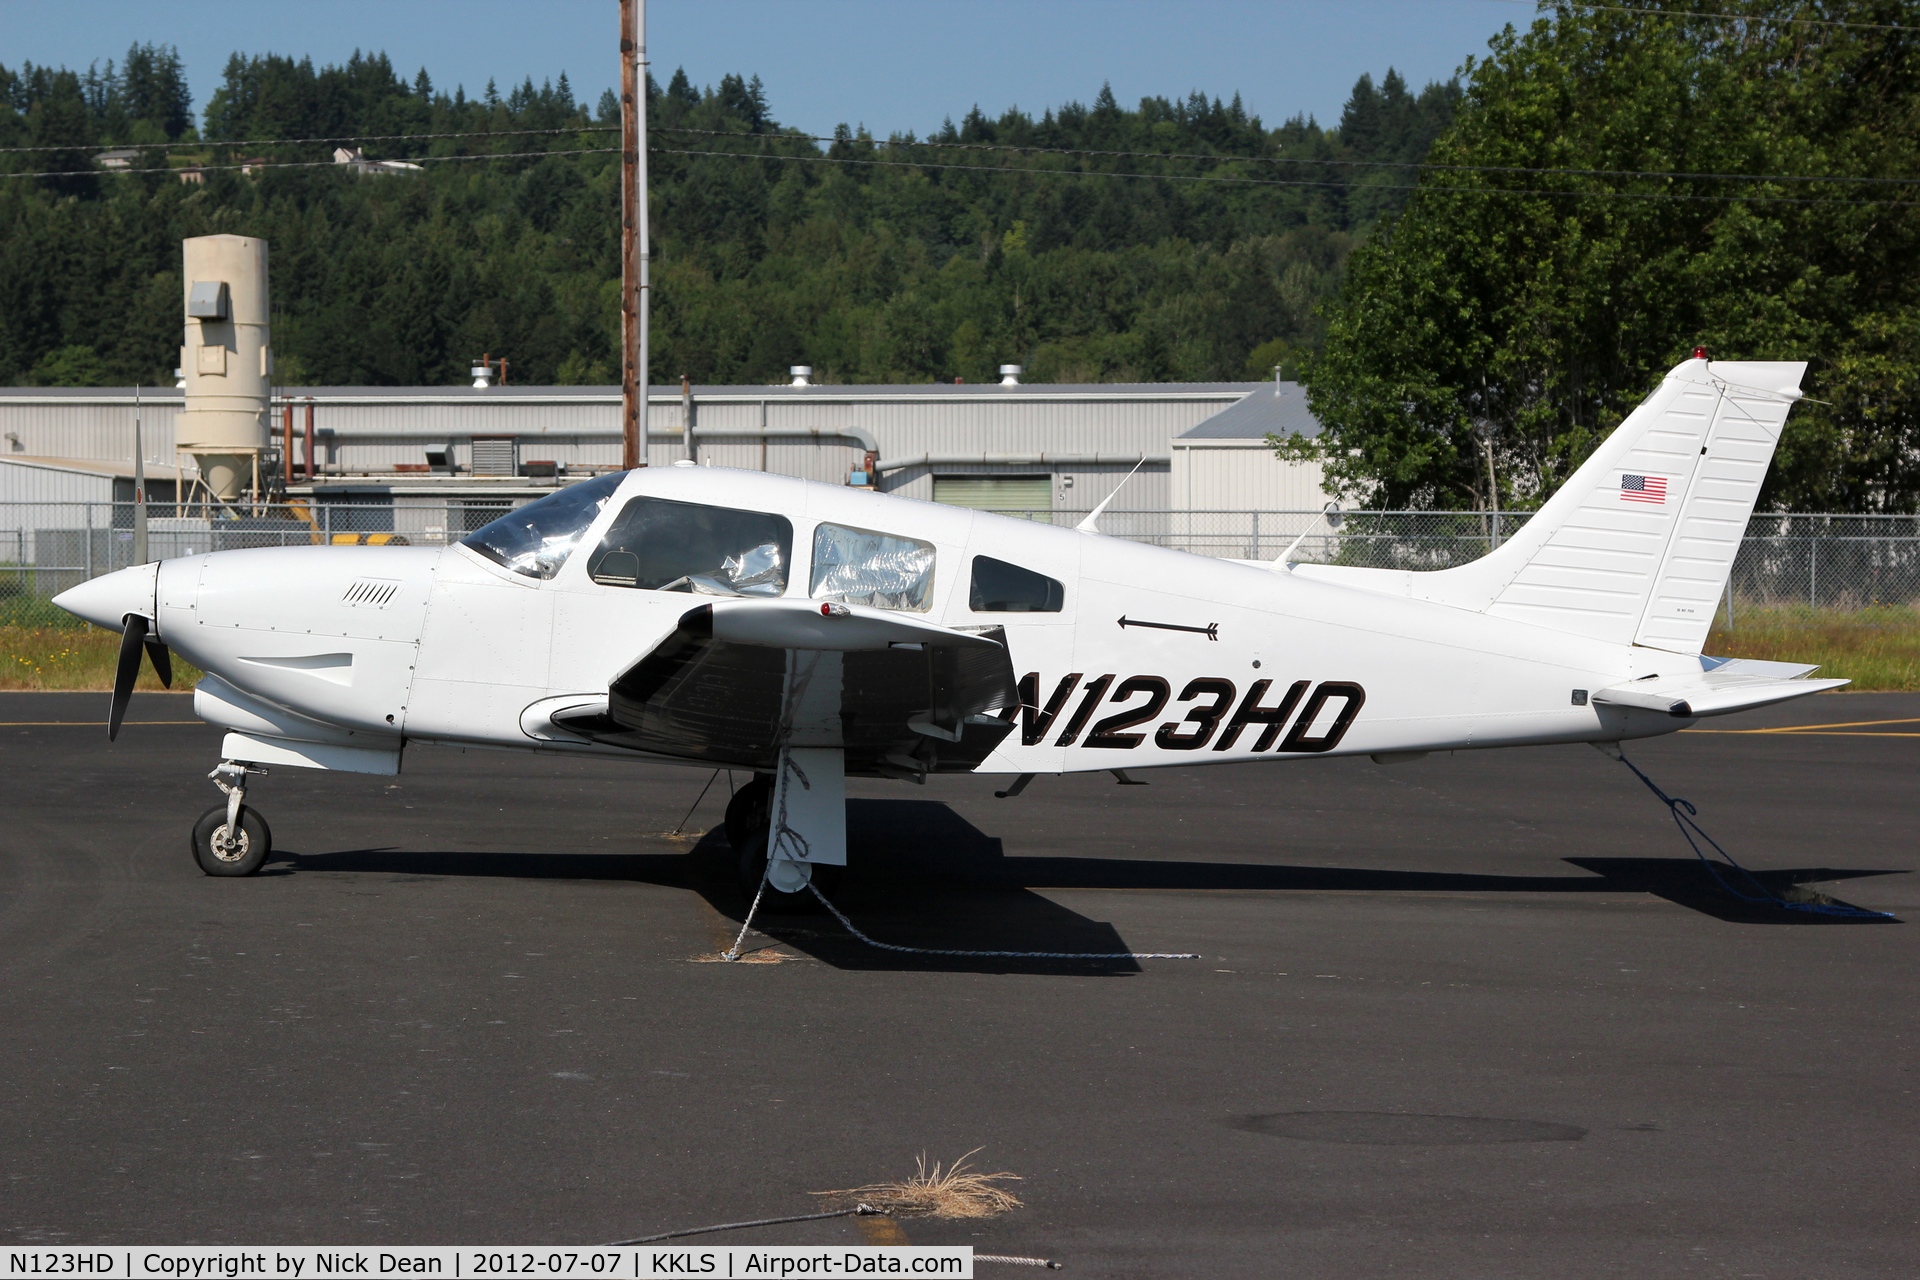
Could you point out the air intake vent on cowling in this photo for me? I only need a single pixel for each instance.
(370, 593)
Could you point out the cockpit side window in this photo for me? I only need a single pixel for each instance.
(884, 570)
(657, 544)
(999, 587)
(537, 539)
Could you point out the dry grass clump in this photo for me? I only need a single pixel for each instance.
(762, 956)
(953, 1192)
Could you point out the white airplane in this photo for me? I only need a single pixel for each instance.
(808, 632)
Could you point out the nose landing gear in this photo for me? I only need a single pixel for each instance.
(231, 839)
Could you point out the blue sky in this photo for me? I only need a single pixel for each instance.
(890, 64)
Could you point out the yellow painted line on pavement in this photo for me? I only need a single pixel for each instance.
(1803, 728)
(1805, 733)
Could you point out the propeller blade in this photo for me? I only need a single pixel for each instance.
(132, 640)
(162, 659)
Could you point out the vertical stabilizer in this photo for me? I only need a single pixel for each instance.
(1638, 544)
(1713, 512)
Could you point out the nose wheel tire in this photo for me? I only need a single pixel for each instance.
(240, 854)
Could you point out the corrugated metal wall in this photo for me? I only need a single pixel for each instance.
(27, 483)
(97, 425)
(1242, 475)
(368, 429)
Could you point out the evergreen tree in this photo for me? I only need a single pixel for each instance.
(764, 255)
(681, 89)
(1541, 289)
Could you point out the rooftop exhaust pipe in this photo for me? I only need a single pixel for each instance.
(1010, 375)
(802, 375)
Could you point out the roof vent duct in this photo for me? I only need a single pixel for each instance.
(1010, 375)
(802, 375)
(207, 300)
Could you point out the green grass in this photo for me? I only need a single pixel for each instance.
(72, 657)
(45, 647)
(1877, 648)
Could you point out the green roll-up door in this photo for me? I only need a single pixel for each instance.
(1031, 496)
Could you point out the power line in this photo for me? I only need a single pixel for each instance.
(304, 164)
(982, 168)
(1417, 165)
(593, 128)
(206, 143)
(1373, 164)
(1283, 182)
(1731, 17)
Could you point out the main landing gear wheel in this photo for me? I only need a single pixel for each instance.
(222, 855)
(753, 865)
(750, 810)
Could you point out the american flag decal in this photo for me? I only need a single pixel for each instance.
(1643, 489)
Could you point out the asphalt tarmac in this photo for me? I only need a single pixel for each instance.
(1479, 1015)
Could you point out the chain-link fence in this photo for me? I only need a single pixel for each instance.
(1828, 562)
(1823, 562)
(47, 547)
(1372, 539)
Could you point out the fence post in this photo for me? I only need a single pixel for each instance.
(1730, 596)
(1255, 553)
(1813, 572)
(86, 536)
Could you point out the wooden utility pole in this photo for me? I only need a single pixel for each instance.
(635, 259)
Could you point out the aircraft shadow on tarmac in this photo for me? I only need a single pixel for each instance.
(922, 875)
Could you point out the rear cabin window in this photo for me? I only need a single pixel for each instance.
(656, 544)
(999, 587)
(884, 570)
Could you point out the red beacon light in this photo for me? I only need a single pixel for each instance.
(1699, 353)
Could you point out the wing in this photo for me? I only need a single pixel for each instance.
(737, 679)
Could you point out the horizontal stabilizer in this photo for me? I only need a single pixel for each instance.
(1733, 684)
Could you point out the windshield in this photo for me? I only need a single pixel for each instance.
(537, 539)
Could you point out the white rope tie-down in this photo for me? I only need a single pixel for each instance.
(733, 953)
(998, 955)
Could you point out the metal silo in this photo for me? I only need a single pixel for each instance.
(227, 361)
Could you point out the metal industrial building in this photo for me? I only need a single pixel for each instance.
(435, 461)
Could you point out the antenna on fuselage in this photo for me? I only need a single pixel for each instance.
(1091, 523)
(1330, 513)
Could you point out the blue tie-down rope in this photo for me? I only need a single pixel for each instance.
(1683, 813)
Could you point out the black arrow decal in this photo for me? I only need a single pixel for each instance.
(1211, 631)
